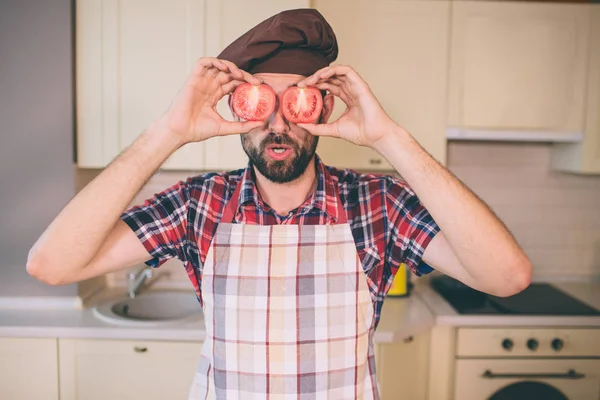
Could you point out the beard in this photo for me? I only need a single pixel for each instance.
(285, 170)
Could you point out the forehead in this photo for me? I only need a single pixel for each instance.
(279, 82)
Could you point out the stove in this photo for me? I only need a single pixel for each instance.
(537, 299)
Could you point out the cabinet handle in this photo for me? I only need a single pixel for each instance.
(375, 161)
(139, 349)
(408, 339)
(571, 374)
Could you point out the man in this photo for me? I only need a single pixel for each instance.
(290, 259)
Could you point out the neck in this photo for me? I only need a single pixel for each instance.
(284, 197)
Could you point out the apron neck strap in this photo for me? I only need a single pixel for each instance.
(234, 202)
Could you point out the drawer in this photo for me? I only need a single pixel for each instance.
(530, 342)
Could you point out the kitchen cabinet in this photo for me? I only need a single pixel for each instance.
(584, 157)
(518, 68)
(117, 369)
(132, 57)
(400, 48)
(402, 368)
(28, 369)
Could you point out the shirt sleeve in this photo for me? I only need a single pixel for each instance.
(161, 224)
(410, 229)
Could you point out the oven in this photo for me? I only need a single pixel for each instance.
(527, 364)
(517, 362)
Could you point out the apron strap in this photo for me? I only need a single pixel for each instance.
(232, 205)
(234, 202)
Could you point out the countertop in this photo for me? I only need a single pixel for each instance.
(401, 317)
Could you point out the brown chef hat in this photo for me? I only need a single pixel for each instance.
(293, 42)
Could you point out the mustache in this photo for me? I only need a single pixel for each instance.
(278, 139)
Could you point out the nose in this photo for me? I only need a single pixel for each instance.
(277, 123)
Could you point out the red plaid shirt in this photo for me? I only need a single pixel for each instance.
(389, 224)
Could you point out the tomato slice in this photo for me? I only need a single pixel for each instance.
(253, 102)
(302, 105)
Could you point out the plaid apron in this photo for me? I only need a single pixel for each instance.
(288, 314)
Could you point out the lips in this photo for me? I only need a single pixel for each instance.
(278, 151)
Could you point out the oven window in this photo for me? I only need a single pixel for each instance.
(528, 391)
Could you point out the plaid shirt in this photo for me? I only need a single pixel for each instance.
(389, 224)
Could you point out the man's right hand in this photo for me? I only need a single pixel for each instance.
(88, 238)
(193, 115)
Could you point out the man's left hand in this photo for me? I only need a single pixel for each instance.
(364, 122)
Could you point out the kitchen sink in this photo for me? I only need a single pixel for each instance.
(150, 309)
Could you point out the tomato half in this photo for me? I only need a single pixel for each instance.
(253, 102)
(301, 105)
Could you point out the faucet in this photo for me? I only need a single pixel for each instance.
(135, 280)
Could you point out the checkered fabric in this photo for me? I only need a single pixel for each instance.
(389, 224)
(288, 315)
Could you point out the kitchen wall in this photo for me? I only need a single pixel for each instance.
(36, 130)
(554, 216)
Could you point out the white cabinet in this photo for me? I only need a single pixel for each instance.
(400, 48)
(132, 57)
(518, 67)
(106, 369)
(402, 368)
(584, 157)
(28, 369)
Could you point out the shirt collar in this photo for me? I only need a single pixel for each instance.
(323, 199)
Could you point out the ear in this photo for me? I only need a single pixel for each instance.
(328, 103)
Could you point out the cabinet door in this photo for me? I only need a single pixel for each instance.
(402, 368)
(28, 369)
(227, 20)
(584, 157)
(400, 48)
(106, 369)
(132, 58)
(518, 66)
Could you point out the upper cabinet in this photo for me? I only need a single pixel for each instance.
(584, 157)
(400, 48)
(443, 69)
(133, 56)
(518, 68)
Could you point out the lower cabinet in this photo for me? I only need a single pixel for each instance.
(111, 369)
(28, 369)
(90, 369)
(402, 368)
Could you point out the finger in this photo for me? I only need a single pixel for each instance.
(240, 74)
(230, 86)
(209, 63)
(235, 71)
(233, 128)
(321, 129)
(314, 78)
(340, 90)
(224, 77)
(334, 89)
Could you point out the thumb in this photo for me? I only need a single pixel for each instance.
(321, 129)
(232, 128)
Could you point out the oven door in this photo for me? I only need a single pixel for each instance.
(514, 379)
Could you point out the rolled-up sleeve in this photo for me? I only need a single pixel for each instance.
(161, 224)
(411, 228)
